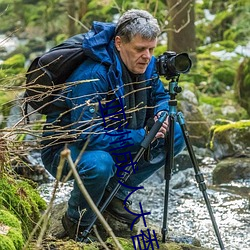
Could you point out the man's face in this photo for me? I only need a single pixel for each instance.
(137, 53)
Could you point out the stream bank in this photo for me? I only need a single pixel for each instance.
(187, 213)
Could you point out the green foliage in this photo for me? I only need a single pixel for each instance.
(242, 84)
(216, 67)
(221, 23)
(12, 67)
(17, 61)
(229, 23)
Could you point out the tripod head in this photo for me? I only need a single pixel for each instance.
(174, 89)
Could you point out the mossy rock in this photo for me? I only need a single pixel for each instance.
(232, 139)
(126, 244)
(11, 237)
(22, 200)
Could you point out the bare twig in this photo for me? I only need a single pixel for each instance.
(77, 21)
(46, 216)
(66, 155)
(99, 238)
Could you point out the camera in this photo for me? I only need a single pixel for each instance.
(171, 65)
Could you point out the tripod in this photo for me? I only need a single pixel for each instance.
(173, 90)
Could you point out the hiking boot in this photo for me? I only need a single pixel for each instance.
(117, 210)
(74, 231)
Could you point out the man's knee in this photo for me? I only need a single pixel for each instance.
(96, 164)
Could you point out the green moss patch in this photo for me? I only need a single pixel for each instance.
(22, 200)
(10, 231)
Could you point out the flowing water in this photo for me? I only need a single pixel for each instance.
(187, 212)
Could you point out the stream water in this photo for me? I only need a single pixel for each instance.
(187, 212)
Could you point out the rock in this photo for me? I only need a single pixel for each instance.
(190, 96)
(197, 125)
(181, 179)
(122, 231)
(231, 169)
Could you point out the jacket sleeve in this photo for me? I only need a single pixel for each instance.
(86, 118)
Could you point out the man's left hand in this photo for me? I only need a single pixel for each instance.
(163, 129)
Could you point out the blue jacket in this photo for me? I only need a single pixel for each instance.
(84, 119)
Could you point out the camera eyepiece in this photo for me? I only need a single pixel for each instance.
(170, 64)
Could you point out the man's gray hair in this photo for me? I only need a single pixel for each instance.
(137, 22)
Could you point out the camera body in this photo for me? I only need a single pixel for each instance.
(171, 65)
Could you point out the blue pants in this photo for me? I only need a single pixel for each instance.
(97, 170)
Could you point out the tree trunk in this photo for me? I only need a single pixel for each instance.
(83, 7)
(71, 6)
(181, 27)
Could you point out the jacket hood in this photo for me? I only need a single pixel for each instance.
(98, 43)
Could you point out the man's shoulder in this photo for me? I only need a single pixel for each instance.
(89, 68)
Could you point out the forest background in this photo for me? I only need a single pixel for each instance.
(214, 33)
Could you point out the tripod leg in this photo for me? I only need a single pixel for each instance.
(168, 173)
(199, 176)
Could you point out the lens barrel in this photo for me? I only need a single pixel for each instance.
(171, 64)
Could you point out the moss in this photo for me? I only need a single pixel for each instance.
(174, 246)
(229, 45)
(16, 237)
(219, 102)
(9, 219)
(235, 125)
(6, 243)
(91, 247)
(21, 199)
(225, 75)
(127, 244)
(214, 101)
(220, 131)
(13, 239)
